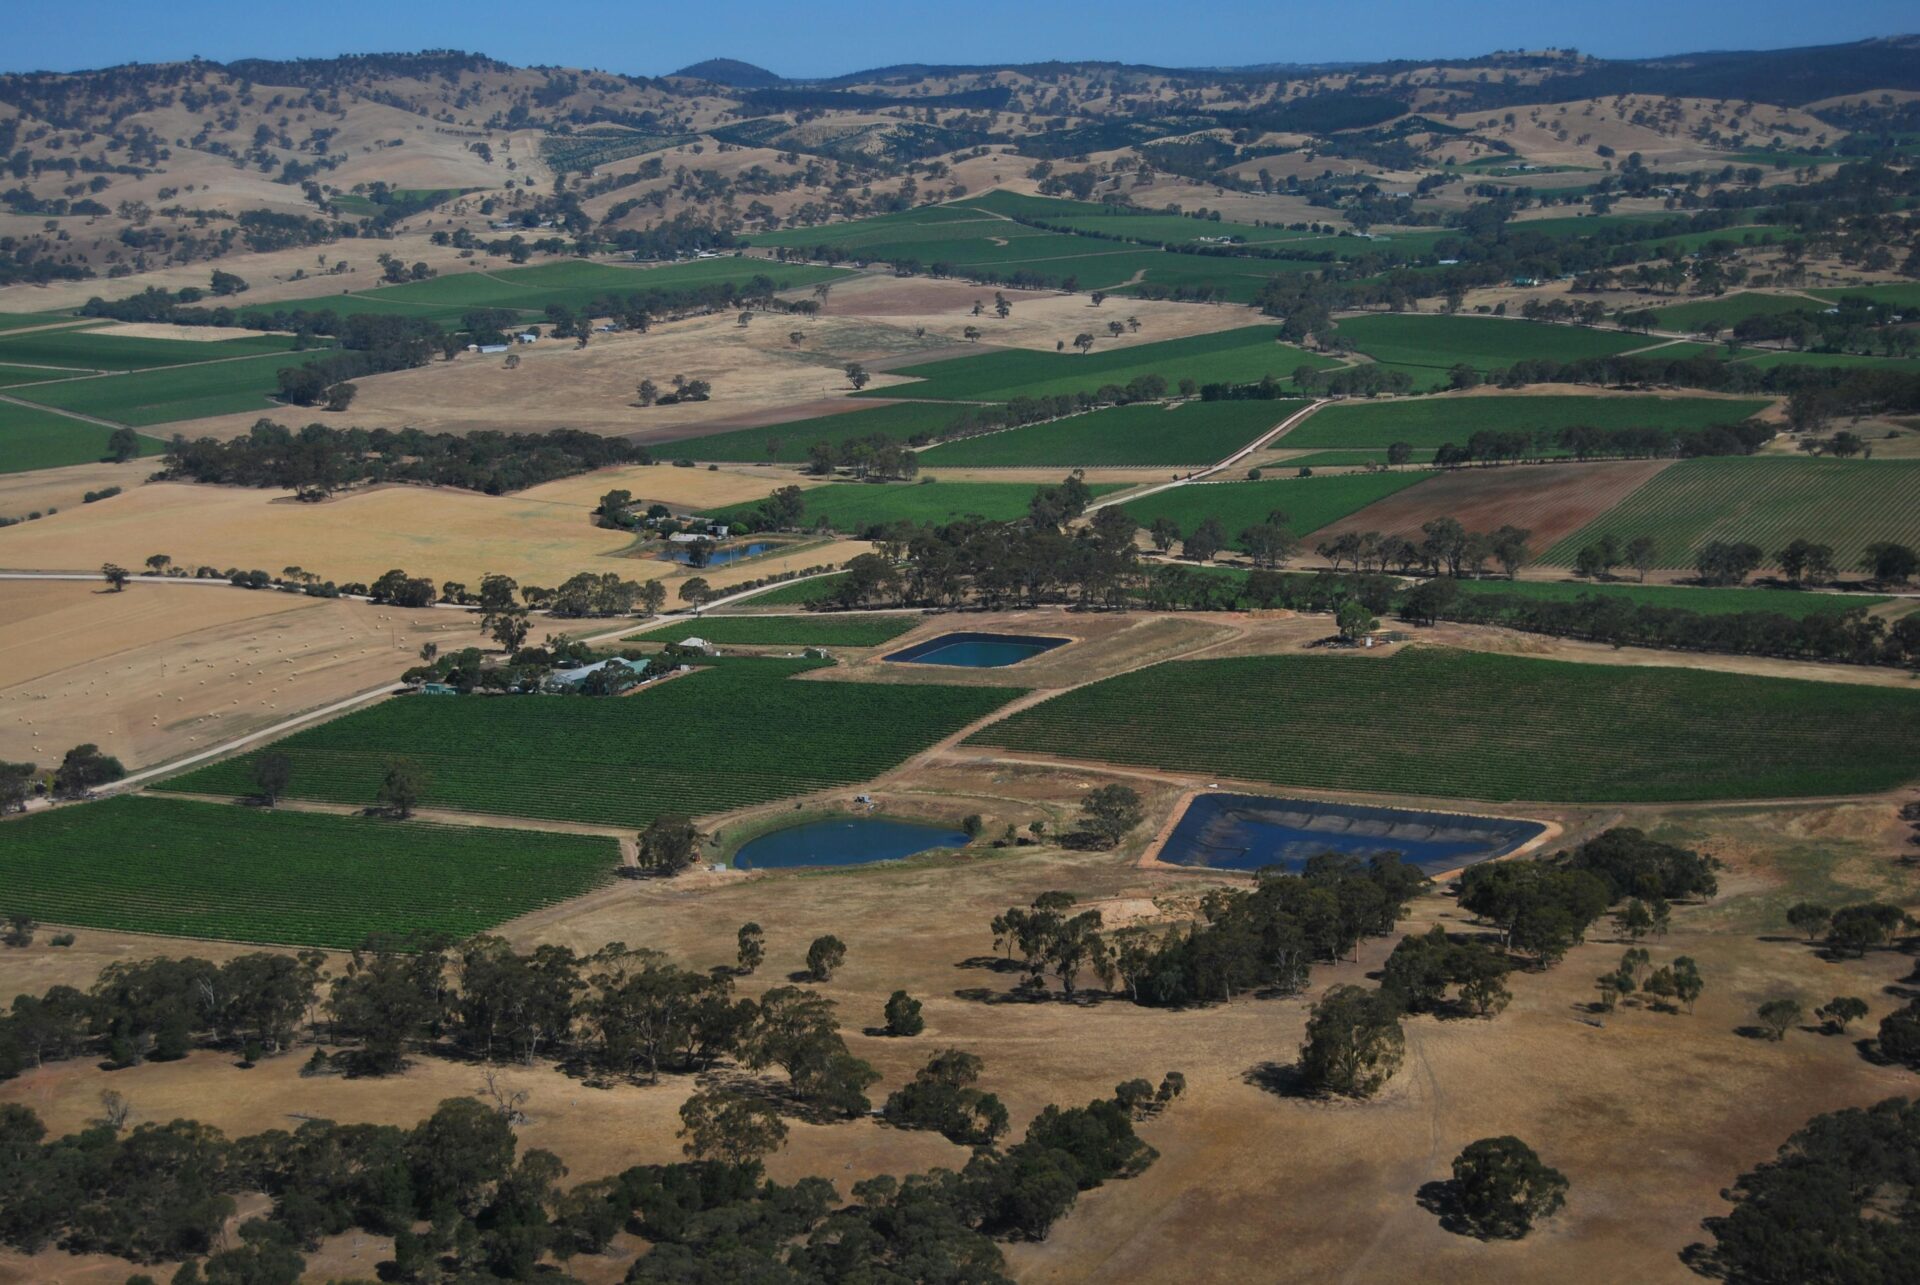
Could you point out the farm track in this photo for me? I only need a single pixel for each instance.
(1261, 443)
(24, 404)
(629, 846)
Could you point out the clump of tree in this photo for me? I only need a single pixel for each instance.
(17, 784)
(824, 957)
(941, 1097)
(1052, 939)
(1544, 908)
(83, 769)
(1850, 930)
(1420, 970)
(1353, 1044)
(1819, 1211)
(901, 1017)
(669, 845)
(1107, 815)
(1266, 938)
(750, 948)
(1500, 1189)
(794, 1029)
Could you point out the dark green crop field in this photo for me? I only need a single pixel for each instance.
(165, 394)
(1240, 356)
(1186, 434)
(31, 439)
(1428, 422)
(1899, 295)
(1452, 724)
(1485, 343)
(785, 631)
(104, 350)
(856, 506)
(573, 283)
(1309, 502)
(1729, 309)
(741, 733)
(184, 868)
(796, 594)
(1707, 601)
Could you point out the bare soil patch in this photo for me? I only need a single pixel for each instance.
(1551, 500)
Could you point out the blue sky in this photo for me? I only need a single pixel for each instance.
(825, 37)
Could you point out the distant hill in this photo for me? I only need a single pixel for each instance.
(732, 72)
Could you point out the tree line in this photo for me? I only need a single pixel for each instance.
(1004, 565)
(317, 460)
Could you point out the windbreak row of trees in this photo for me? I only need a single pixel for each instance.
(1582, 442)
(319, 460)
(1853, 637)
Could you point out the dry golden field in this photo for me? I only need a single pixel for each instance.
(162, 670)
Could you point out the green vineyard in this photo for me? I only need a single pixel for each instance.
(184, 868)
(1148, 435)
(1768, 502)
(740, 733)
(1454, 724)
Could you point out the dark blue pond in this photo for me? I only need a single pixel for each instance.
(1248, 832)
(844, 841)
(720, 557)
(978, 651)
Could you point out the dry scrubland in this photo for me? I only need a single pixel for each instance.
(158, 671)
(758, 374)
(1040, 319)
(754, 367)
(1241, 1169)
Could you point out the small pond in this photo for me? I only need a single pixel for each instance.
(1248, 832)
(978, 651)
(844, 841)
(720, 557)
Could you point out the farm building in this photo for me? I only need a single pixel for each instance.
(572, 680)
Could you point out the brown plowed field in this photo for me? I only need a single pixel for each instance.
(1550, 500)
